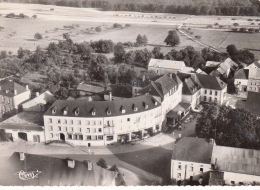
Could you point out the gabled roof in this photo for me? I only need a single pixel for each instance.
(44, 98)
(161, 86)
(100, 107)
(192, 149)
(55, 172)
(210, 82)
(212, 64)
(237, 160)
(8, 85)
(190, 87)
(145, 79)
(227, 64)
(119, 91)
(199, 71)
(254, 70)
(169, 64)
(90, 88)
(241, 74)
(24, 120)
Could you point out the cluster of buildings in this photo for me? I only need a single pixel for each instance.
(194, 158)
(124, 113)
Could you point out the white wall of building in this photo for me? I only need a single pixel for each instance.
(162, 71)
(179, 168)
(30, 134)
(238, 177)
(192, 99)
(18, 99)
(220, 95)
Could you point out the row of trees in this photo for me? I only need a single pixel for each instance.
(196, 7)
(230, 127)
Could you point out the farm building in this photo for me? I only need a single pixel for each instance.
(225, 68)
(241, 80)
(161, 66)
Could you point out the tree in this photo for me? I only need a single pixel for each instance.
(141, 40)
(98, 29)
(119, 52)
(129, 57)
(172, 39)
(157, 53)
(235, 24)
(232, 50)
(102, 163)
(3, 54)
(37, 36)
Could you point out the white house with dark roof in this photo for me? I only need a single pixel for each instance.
(191, 159)
(241, 80)
(254, 77)
(97, 123)
(162, 66)
(28, 126)
(12, 95)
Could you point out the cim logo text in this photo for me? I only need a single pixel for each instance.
(28, 175)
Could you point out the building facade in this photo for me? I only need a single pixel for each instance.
(11, 96)
(102, 123)
(254, 77)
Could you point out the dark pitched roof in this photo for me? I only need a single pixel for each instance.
(161, 86)
(119, 91)
(190, 87)
(55, 172)
(253, 102)
(10, 86)
(193, 150)
(144, 103)
(24, 120)
(210, 82)
(241, 74)
(145, 79)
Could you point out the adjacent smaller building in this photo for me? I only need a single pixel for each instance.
(254, 77)
(25, 125)
(225, 68)
(241, 80)
(12, 95)
(161, 66)
(191, 159)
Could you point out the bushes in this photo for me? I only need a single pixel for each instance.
(103, 46)
(3, 54)
(116, 25)
(37, 36)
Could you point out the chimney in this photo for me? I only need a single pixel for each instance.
(15, 92)
(71, 163)
(143, 77)
(27, 88)
(37, 94)
(22, 156)
(110, 96)
(212, 141)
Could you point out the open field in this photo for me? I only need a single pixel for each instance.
(20, 32)
(221, 39)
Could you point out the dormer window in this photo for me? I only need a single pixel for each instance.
(108, 111)
(6, 91)
(93, 112)
(54, 110)
(122, 109)
(65, 111)
(145, 105)
(135, 108)
(154, 101)
(77, 111)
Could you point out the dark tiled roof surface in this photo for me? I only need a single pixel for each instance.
(101, 107)
(119, 91)
(210, 82)
(10, 86)
(192, 150)
(190, 87)
(145, 78)
(55, 172)
(241, 74)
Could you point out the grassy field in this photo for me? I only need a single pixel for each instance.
(221, 39)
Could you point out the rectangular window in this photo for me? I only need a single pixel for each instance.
(241, 183)
(210, 99)
(50, 128)
(88, 130)
(94, 137)
(59, 128)
(205, 98)
(65, 129)
(74, 137)
(210, 92)
(80, 137)
(94, 122)
(215, 99)
(233, 183)
(216, 93)
(51, 135)
(71, 129)
(100, 130)
(71, 122)
(79, 122)
(69, 136)
(128, 119)
(58, 121)
(65, 121)
(79, 130)
(87, 123)
(191, 168)
(179, 175)
(179, 167)
(50, 120)
(88, 137)
(205, 92)
(100, 137)
(201, 170)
